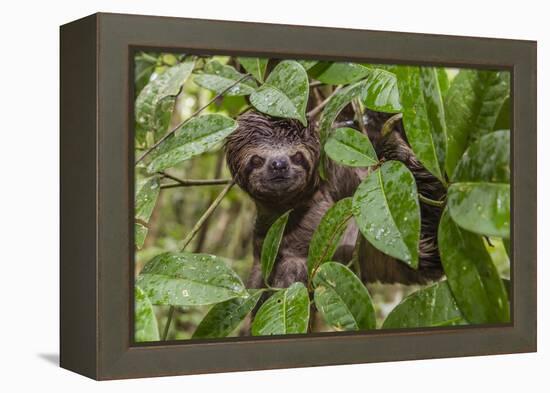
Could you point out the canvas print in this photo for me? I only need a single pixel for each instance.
(292, 196)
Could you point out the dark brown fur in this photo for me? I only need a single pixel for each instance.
(303, 191)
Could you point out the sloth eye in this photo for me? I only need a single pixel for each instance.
(257, 161)
(298, 158)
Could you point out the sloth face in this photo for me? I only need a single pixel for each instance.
(274, 161)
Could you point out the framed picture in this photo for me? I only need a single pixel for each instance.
(242, 196)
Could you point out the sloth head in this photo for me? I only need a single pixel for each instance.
(275, 161)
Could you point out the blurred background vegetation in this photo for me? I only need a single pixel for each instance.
(228, 232)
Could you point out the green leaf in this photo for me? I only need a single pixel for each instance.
(504, 119)
(479, 198)
(506, 243)
(381, 92)
(350, 147)
(145, 322)
(471, 274)
(443, 79)
(140, 232)
(423, 116)
(284, 93)
(185, 279)
(385, 206)
(166, 86)
(427, 307)
(327, 235)
(224, 318)
(342, 298)
(286, 312)
(338, 73)
(270, 246)
(254, 66)
(307, 64)
(218, 77)
(147, 192)
(472, 106)
(195, 137)
(335, 105)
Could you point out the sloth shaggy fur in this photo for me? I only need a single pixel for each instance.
(276, 162)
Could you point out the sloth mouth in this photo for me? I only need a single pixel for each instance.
(279, 179)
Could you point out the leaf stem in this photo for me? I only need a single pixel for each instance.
(390, 123)
(198, 111)
(168, 322)
(429, 201)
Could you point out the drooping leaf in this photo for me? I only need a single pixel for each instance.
(219, 77)
(385, 206)
(504, 119)
(479, 198)
(328, 234)
(350, 147)
(338, 73)
(423, 116)
(270, 246)
(147, 192)
(223, 318)
(285, 312)
(195, 137)
(255, 66)
(284, 93)
(145, 322)
(185, 279)
(380, 92)
(427, 307)
(471, 274)
(140, 232)
(342, 298)
(472, 106)
(149, 117)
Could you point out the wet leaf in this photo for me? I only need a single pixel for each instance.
(337, 73)
(479, 198)
(195, 137)
(185, 279)
(140, 232)
(381, 92)
(423, 116)
(443, 79)
(285, 312)
(473, 104)
(145, 322)
(471, 274)
(307, 64)
(223, 318)
(350, 147)
(342, 299)
(150, 117)
(327, 235)
(284, 93)
(254, 66)
(218, 77)
(147, 192)
(270, 246)
(385, 206)
(427, 307)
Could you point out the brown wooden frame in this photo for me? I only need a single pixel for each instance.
(97, 196)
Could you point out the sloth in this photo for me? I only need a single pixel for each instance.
(275, 161)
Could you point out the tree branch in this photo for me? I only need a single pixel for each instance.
(191, 182)
(181, 124)
(429, 201)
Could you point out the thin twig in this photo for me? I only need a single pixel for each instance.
(168, 322)
(182, 123)
(390, 123)
(205, 215)
(320, 107)
(191, 182)
(315, 84)
(430, 202)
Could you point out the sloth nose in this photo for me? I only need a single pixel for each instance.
(279, 164)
